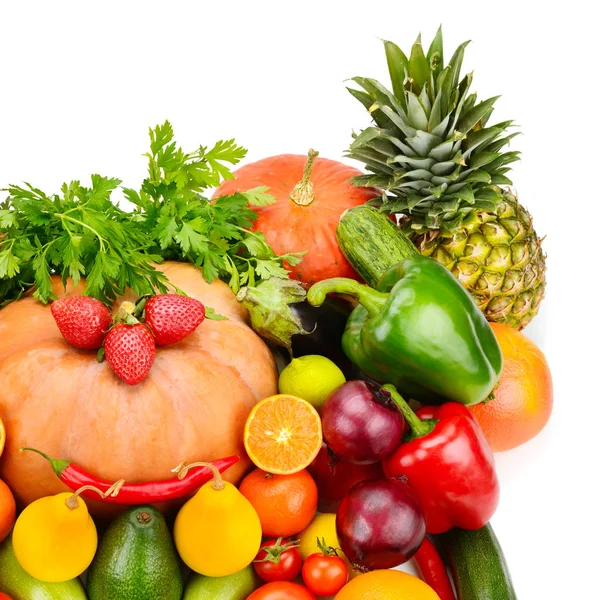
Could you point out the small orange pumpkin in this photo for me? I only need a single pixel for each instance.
(192, 406)
(311, 197)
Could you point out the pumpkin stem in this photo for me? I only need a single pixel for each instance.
(72, 501)
(303, 194)
(182, 470)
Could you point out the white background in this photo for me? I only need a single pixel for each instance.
(80, 82)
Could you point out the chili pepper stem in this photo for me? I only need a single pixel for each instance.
(418, 428)
(72, 501)
(182, 469)
(303, 194)
(371, 299)
(58, 466)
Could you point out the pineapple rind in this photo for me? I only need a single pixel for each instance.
(504, 271)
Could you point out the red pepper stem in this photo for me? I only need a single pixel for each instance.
(58, 466)
(371, 299)
(419, 428)
(183, 468)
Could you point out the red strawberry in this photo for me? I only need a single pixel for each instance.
(130, 351)
(172, 317)
(82, 320)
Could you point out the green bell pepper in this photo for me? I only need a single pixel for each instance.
(421, 331)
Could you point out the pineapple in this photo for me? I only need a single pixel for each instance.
(441, 166)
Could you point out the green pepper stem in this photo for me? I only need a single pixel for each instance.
(58, 466)
(418, 428)
(371, 299)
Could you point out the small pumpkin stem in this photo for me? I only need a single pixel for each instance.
(303, 194)
(72, 501)
(182, 470)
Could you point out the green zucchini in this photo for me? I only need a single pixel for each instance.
(371, 242)
(477, 563)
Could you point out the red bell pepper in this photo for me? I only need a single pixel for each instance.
(448, 463)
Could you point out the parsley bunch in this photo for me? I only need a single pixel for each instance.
(187, 226)
(82, 233)
(77, 233)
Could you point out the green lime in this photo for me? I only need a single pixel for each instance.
(312, 378)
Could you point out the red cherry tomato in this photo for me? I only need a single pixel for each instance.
(282, 590)
(4, 596)
(278, 560)
(325, 573)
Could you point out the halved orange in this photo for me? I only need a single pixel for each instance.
(2, 437)
(283, 434)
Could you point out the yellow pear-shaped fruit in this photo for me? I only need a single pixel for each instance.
(55, 538)
(217, 532)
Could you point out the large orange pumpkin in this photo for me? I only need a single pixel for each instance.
(192, 406)
(311, 197)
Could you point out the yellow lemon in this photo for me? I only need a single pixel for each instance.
(322, 526)
(55, 538)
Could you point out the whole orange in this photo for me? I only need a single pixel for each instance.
(386, 585)
(8, 510)
(285, 504)
(523, 399)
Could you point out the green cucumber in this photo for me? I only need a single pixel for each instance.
(19, 585)
(136, 560)
(477, 563)
(237, 586)
(371, 242)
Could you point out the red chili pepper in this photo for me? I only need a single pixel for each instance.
(433, 570)
(448, 463)
(138, 493)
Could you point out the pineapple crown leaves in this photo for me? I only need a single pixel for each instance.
(430, 148)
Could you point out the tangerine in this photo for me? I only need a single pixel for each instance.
(8, 510)
(286, 504)
(386, 585)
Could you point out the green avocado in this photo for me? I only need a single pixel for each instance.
(136, 560)
(19, 585)
(236, 586)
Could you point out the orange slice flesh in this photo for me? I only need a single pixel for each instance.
(2, 437)
(283, 434)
